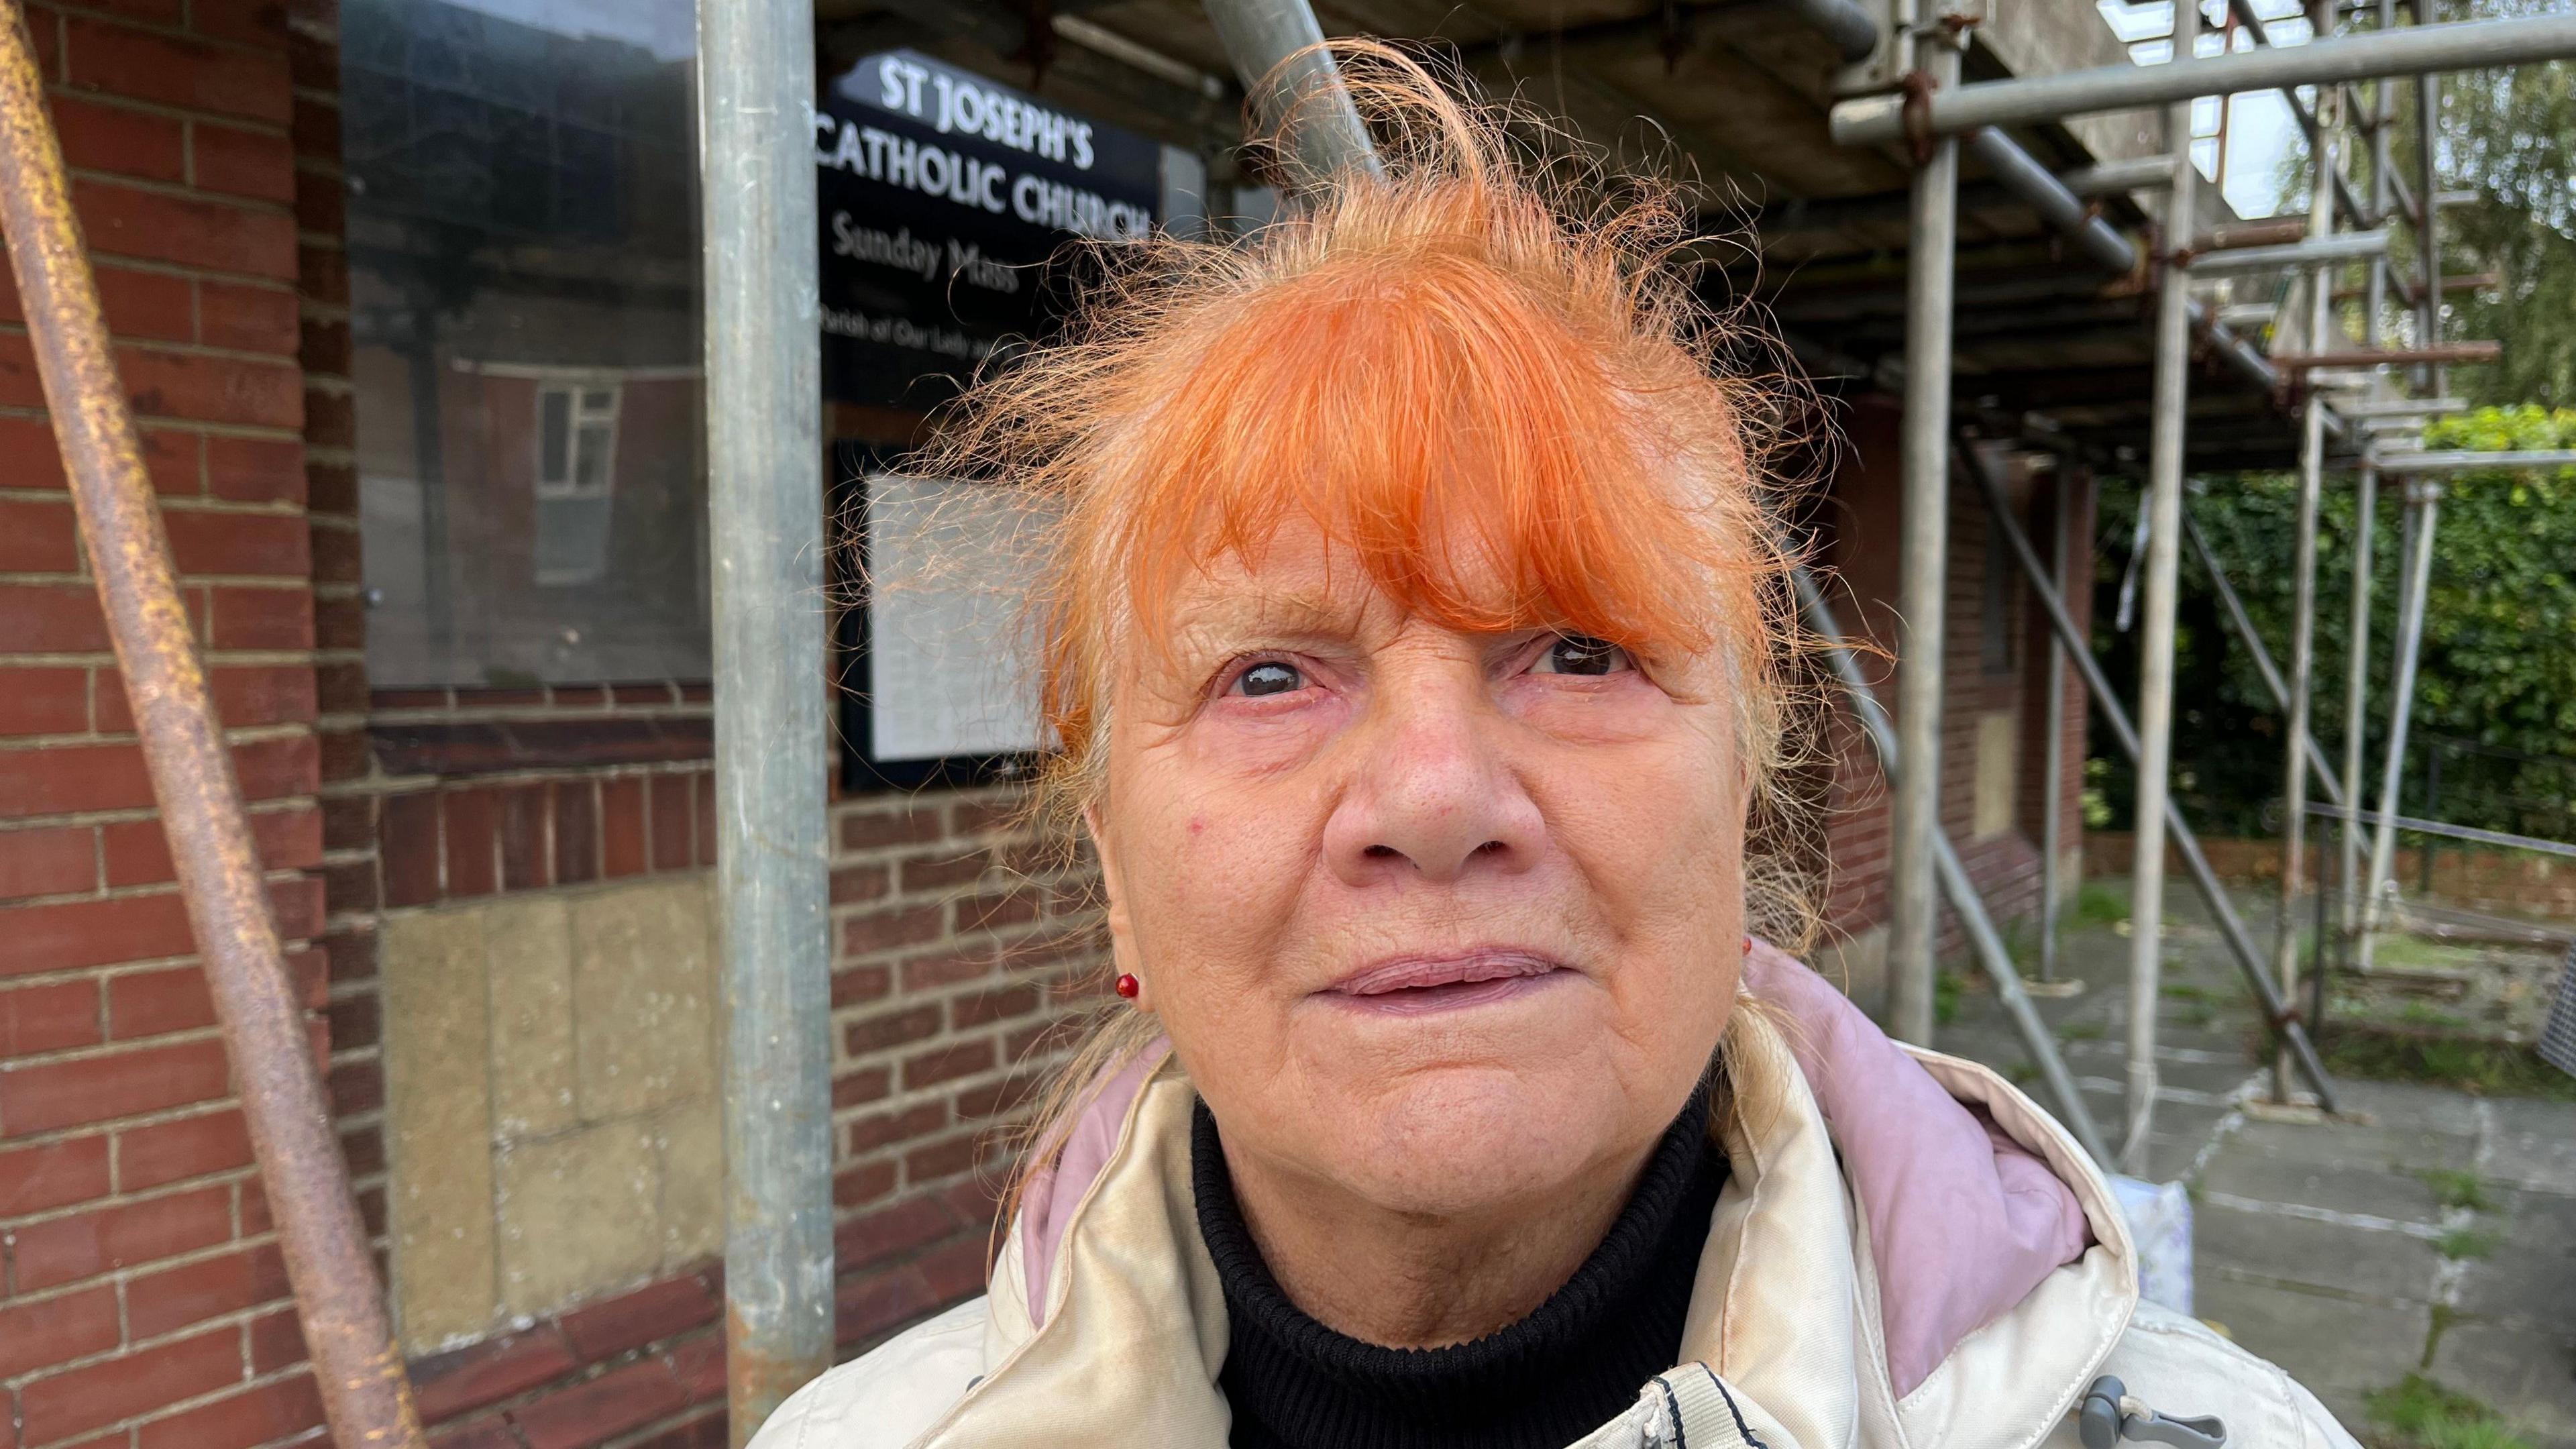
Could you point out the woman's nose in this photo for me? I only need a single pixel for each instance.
(1431, 794)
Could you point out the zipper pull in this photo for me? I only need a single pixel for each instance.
(2109, 1415)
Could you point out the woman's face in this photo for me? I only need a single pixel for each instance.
(1437, 919)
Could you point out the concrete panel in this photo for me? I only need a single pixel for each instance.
(438, 1125)
(1998, 773)
(2351, 1189)
(579, 1214)
(528, 942)
(2340, 1348)
(2529, 1276)
(2343, 1144)
(643, 985)
(2409, 1107)
(2530, 1377)
(693, 1215)
(2535, 1145)
(2389, 1267)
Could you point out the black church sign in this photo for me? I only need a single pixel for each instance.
(943, 196)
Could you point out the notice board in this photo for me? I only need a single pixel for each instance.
(945, 196)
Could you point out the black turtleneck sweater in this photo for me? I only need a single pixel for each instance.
(1543, 1382)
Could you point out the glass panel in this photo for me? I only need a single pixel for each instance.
(590, 472)
(554, 435)
(524, 282)
(572, 540)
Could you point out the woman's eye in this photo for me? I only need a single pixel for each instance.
(1580, 654)
(1269, 677)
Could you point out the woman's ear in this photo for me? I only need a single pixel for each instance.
(1122, 947)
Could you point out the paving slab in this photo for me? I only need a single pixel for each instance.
(2242, 1171)
(2407, 1106)
(2384, 1266)
(2345, 1307)
(2401, 1150)
(2528, 1278)
(2529, 1377)
(2535, 1145)
(2340, 1347)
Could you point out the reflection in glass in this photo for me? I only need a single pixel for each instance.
(524, 283)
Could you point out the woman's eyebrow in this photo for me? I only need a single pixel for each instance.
(1295, 616)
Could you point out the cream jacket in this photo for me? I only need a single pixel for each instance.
(1782, 1349)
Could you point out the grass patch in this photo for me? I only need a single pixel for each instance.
(2096, 904)
(2426, 1014)
(2421, 1414)
(1947, 987)
(2186, 991)
(2453, 1188)
(2483, 1068)
(2022, 1074)
(2443, 1316)
(2404, 952)
(2465, 1243)
(2083, 1031)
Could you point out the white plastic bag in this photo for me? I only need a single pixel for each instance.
(2159, 1215)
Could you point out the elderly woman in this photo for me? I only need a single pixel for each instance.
(1413, 635)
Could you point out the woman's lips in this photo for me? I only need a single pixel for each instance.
(1415, 984)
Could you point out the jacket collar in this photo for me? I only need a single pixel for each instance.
(1785, 1311)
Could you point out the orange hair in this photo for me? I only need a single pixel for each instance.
(1472, 347)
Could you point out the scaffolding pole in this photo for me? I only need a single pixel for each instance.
(2303, 588)
(2464, 460)
(765, 549)
(2365, 519)
(2053, 783)
(1956, 884)
(330, 1266)
(2317, 250)
(2282, 1022)
(2242, 624)
(2415, 50)
(2424, 503)
(2172, 386)
(1295, 86)
(1923, 581)
(2428, 232)
(2356, 688)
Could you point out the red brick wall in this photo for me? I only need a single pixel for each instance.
(2051, 492)
(1862, 521)
(141, 1301)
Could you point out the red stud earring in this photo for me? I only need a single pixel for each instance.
(1748, 945)
(1128, 986)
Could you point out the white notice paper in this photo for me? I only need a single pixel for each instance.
(951, 647)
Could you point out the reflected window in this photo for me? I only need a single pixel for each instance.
(576, 459)
(524, 288)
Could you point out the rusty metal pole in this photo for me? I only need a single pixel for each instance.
(329, 1263)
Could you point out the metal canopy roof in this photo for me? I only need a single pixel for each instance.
(1734, 96)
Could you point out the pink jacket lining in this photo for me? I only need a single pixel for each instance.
(1963, 1221)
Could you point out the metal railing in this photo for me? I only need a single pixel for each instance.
(2505, 797)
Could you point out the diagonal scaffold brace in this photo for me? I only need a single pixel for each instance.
(1952, 873)
(366, 1395)
(2278, 1018)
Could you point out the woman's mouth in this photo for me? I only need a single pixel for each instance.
(1410, 985)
